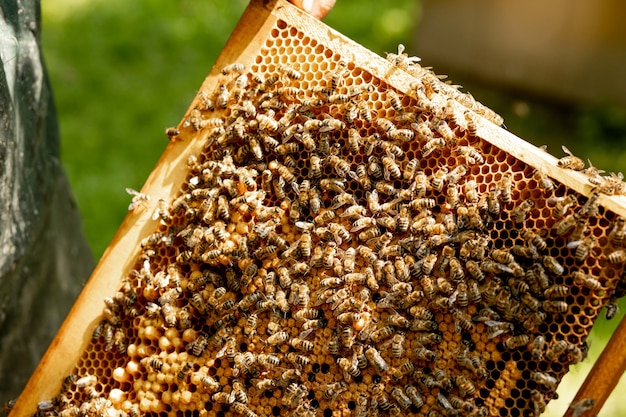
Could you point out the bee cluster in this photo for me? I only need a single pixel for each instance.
(343, 248)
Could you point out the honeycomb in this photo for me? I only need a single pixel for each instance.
(343, 247)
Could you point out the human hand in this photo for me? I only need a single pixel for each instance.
(316, 8)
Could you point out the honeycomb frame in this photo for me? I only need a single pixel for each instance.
(270, 36)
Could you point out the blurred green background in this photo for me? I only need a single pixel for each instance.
(123, 70)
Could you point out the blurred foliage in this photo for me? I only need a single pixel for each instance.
(122, 71)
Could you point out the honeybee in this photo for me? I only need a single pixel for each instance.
(233, 68)
(555, 306)
(297, 359)
(462, 321)
(242, 409)
(382, 333)
(475, 271)
(152, 240)
(422, 353)
(432, 145)
(562, 205)
(544, 379)
(206, 101)
(460, 404)
(374, 357)
(470, 191)
(556, 350)
(349, 367)
(583, 247)
(265, 384)
(277, 338)
(493, 204)
(617, 257)
(289, 72)
(579, 408)
(585, 280)
(267, 360)
(515, 342)
(618, 232)
(520, 213)
(471, 154)
(551, 264)
(539, 402)
(466, 387)
(612, 308)
(544, 182)
(413, 394)
(570, 161)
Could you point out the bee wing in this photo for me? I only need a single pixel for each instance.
(132, 192)
(567, 151)
(574, 244)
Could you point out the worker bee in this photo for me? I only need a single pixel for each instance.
(544, 379)
(205, 100)
(466, 387)
(551, 306)
(502, 256)
(462, 321)
(533, 238)
(289, 72)
(265, 384)
(562, 204)
(586, 280)
(382, 333)
(504, 186)
(394, 101)
(391, 169)
(422, 353)
(617, 257)
(583, 247)
(401, 135)
(470, 191)
(277, 338)
(233, 68)
(341, 167)
(552, 265)
(223, 397)
(374, 357)
(223, 94)
(556, 350)
(471, 154)
(267, 360)
(493, 204)
(580, 407)
(152, 240)
(432, 145)
(618, 232)
(520, 213)
(475, 271)
(350, 367)
(539, 402)
(298, 360)
(515, 342)
(570, 161)
(612, 308)
(413, 394)
(544, 182)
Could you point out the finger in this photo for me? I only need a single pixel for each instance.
(316, 8)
